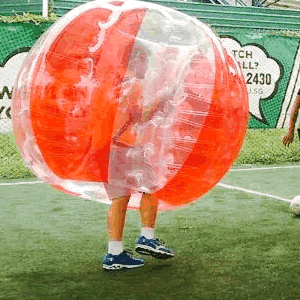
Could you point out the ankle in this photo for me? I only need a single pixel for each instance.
(115, 247)
(147, 232)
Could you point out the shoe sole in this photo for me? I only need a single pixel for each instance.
(146, 250)
(120, 267)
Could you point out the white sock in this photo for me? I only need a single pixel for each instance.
(147, 232)
(115, 247)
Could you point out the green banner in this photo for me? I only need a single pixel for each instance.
(16, 39)
(270, 65)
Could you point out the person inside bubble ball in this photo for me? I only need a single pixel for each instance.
(289, 137)
(120, 187)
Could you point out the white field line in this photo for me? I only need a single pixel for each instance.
(219, 184)
(231, 170)
(227, 186)
(17, 183)
(264, 168)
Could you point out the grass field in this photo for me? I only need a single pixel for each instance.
(238, 242)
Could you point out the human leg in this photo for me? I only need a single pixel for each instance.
(148, 210)
(146, 243)
(116, 218)
(116, 257)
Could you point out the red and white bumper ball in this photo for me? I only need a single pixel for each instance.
(124, 97)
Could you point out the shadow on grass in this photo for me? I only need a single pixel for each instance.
(156, 280)
(134, 272)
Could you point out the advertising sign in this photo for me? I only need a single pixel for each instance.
(8, 73)
(268, 62)
(16, 39)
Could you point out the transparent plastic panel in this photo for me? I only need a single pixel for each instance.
(125, 97)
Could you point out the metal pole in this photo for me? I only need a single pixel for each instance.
(45, 9)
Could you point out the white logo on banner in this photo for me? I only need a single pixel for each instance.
(261, 73)
(8, 75)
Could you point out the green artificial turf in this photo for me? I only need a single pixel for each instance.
(264, 146)
(11, 163)
(229, 245)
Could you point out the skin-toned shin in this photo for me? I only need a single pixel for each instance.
(117, 214)
(148, 210)
(116, 218)
(289, 137)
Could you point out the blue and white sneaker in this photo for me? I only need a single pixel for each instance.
(121, 261)
(154, 247)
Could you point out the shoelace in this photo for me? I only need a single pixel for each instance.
(160, 241)
(128, 252)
